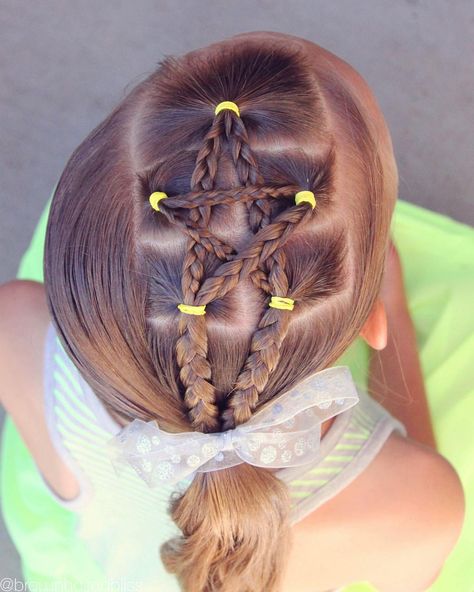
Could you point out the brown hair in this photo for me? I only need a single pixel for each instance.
(228, 236)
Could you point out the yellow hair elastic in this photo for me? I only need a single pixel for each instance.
(155, 198)
(192, 309)
(227, 105)
(281, 302)
(305, 196)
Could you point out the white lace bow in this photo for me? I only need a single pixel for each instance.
(284, 432)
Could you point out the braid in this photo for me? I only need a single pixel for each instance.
(247, 171)
(259, 209)
(200, 396)
(263, 253)
(203, 236)
(263, 261)
(264, 244)
(210, 242)
(205, 170)
(192, 347)
(264, 349)
(195, 199)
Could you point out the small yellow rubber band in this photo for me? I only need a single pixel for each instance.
(305, 196)
(192, 309)
(227, 105)
(155, 197)
(281, 302)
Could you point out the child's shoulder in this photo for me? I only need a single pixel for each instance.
(394, 525)
(24, 321)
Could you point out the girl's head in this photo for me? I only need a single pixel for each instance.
(229, 235)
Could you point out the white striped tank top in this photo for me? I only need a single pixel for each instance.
(123, 522)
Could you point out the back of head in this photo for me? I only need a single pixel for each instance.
(228, 236)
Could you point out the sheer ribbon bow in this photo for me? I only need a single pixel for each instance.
(284, 432)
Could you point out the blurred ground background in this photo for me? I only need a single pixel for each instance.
(64, 65)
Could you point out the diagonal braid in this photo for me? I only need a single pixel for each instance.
(264, 349)
(264, 253)
(203, 236)
(264, 244)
